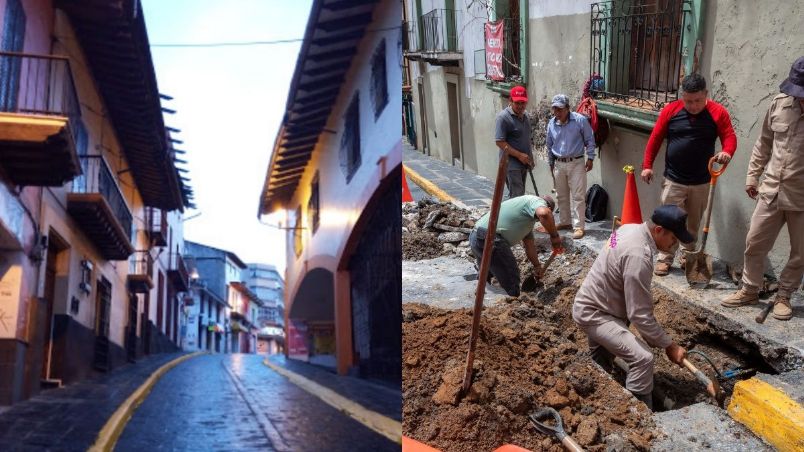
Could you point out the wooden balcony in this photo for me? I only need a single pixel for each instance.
(177, 273)
(157, 226)
(139, 277)
(98, 207)
(40, 129)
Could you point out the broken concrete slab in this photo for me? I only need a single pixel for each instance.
(703, 426)
(442, 282)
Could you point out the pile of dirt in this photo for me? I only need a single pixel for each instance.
(431, 229)
(523, 361)
(531, 354)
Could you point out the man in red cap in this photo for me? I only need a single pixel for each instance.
(512, 136)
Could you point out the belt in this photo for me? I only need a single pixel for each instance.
(568, 159)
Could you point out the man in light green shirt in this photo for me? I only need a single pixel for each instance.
(515, 223)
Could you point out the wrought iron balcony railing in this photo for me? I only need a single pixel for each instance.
(637, 49)
(439, 30)
(37, 85)
(97, 178)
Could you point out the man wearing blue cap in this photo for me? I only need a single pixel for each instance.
(616, 293)
(569, 139)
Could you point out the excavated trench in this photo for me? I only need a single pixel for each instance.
(530, 354)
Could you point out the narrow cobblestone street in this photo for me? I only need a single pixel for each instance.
(235, 402)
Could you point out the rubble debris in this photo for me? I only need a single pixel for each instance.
(428, 226)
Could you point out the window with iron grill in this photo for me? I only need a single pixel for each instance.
(313, 205)
(350, 140)
(638, 50)
(298, 245)
(379, 80)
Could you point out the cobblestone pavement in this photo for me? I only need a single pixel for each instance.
(469, 188)
(235, 402)
(69, 419)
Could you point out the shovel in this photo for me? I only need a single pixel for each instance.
(533, 181)
(712, 386)
(698, 266)
(543, 414)
(530, 283)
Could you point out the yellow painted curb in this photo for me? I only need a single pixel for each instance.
(429, 187)
(381, 424)
(117, 422)
(769, 413)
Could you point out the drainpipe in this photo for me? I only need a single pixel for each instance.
(524, 42)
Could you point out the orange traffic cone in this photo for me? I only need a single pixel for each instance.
(631, 211)
(406, 196)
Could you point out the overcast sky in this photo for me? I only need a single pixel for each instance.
(229, 102)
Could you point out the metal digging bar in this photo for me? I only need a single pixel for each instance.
(485, 262)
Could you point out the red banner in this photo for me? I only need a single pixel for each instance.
(494, 50)
(297, 340)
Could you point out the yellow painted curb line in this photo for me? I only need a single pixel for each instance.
(381, 424)
(769, 413)
(117, 422)
(429, 187)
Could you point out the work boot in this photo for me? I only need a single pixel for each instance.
(647, 399)
(578, 233)
(742, 297)
(781, 307)
(661, 268)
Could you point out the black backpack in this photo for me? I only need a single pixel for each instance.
(597, 200)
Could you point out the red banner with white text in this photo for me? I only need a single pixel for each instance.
(494, 50)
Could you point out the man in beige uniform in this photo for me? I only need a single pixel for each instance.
(616, 292)
(779, 153)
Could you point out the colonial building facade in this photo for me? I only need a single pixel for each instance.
(334, 180)
(90, 196)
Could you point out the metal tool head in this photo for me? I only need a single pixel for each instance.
(539, 417)
(698, 268)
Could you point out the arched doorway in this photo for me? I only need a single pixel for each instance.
(311, 320)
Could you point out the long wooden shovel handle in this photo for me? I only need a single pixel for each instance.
(571, 445)
(710, 386)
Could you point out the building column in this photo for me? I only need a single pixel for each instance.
(343, 322)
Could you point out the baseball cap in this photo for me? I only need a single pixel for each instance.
(674, 219)
(794, 84)
(519, 94)
(560, 101)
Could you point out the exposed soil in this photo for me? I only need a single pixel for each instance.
(531, 354)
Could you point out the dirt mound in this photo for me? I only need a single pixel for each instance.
(531, 354)
(522, 362)
(431, 229)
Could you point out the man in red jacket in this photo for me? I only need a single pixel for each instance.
(691, 125)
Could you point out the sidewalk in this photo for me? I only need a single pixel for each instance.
(375, 396)
(470, 189)
(70, 418)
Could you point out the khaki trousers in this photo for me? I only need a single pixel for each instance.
(766, 222)
(691, 198)
(571, 185)
(618, 340)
